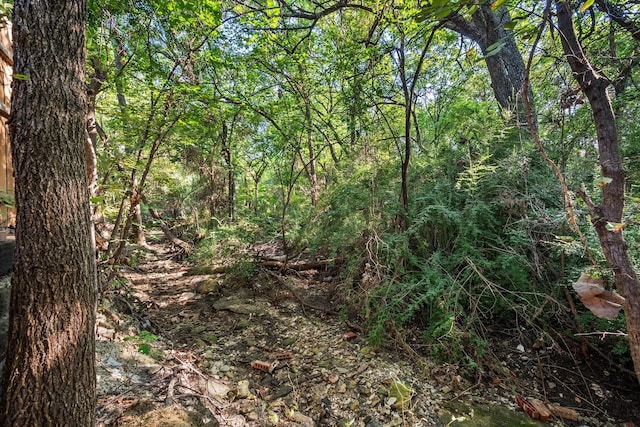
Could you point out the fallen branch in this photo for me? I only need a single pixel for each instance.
(186, 247)
(266, 264)
(323, 309)
(298, 265)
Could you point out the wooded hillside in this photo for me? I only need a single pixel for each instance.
(459, 172)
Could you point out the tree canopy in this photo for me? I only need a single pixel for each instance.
(447, 144)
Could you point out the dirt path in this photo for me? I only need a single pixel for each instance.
(252, 354)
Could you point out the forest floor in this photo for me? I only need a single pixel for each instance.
(177, 349)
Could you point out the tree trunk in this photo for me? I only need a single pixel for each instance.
(231, 174)
(609, 212)
(505, 65)
(49, 377)
(311, 168)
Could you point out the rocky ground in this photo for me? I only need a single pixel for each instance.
(176, 349)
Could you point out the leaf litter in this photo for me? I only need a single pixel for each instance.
(256, 355)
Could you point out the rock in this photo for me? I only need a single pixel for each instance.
(301, 419)
(197, 330)
(373, 423)
(243, 389)
(208, 286)
(210, 338)
(186, 296)
(216, 388)
(112, 362)
(282, 391)
(238, 306)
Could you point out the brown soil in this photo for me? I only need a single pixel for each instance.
(212, 333)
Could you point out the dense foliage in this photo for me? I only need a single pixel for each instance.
(254, 121)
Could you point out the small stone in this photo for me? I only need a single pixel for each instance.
(208, 286)
(374, 423)
(211, 338)
(216, 388)
(342, 388)
(186, 296)
(301, 419)
(282, 391)
(112, 362)
(198, 330)
(225, 368)
(243, 389)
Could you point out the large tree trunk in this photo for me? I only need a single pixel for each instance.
(49, 377)
(505, 65)
(606, 215)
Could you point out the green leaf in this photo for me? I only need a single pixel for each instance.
(96, 199)
(17, 76)
(495, 48)
(615, 227)
(586, 5)
(496, 4)
(144, 348)
(603, 180)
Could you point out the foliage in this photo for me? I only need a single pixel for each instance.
(143, 340)
(274, 128)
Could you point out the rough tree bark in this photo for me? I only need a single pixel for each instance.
(609, 211)
(506, 66)
(49, 377)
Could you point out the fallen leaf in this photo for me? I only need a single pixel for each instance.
(595, 297)
(349, 336)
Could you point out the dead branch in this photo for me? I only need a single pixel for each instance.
(269, 263)
(187, 247)
(323, 309)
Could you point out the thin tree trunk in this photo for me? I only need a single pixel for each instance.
(49, 377)
(311, 171)
(231, 175)
(608, 214)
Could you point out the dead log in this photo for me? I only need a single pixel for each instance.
(186, 247)
(267, 264)
(298, 265)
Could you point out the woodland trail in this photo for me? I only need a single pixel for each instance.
(197, 350)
